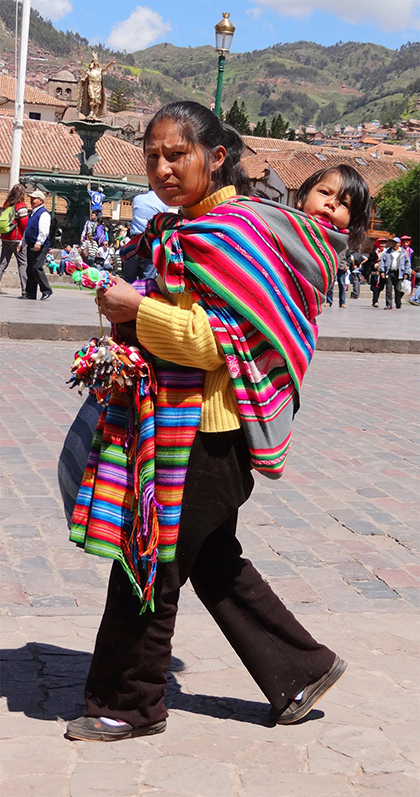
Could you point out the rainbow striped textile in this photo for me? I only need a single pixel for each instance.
(129, 503)
(261, 271)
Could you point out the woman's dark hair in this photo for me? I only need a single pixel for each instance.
(16, 194)
(201, 126)
(353, 186)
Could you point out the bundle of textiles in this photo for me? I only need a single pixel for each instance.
(102, 364)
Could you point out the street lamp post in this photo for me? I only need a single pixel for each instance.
(224, 35)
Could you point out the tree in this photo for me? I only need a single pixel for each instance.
(328, 114)
(238, 118)
(399, 205)
(279, 128)
(260, 129)
(118, 100)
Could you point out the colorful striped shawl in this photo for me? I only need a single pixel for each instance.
(261, 271)
(129, 504)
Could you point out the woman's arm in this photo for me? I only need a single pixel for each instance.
(181, 336)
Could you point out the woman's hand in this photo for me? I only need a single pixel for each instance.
(120, 302)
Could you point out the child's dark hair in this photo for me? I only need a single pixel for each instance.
(201, 126)
(353, 186)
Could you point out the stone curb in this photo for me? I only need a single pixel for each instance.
(71, 332)
(76, 332)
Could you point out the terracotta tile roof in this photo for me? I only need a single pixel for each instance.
(255, 166)
(33, 96)
(396, 151)
(273, 144)
(47, 146)
(293, 169)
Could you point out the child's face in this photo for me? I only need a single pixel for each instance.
(323, 203)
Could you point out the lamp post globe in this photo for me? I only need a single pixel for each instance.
(224, 35)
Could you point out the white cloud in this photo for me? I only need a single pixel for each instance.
(383, 13)
(138, 31)
(255, 12)
(52, 9)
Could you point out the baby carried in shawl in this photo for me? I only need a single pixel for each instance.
(261, 272)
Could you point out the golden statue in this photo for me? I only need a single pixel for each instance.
(91, 95)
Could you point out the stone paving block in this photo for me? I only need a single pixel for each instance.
(274, 568)
(13, 592)
(40, 758)
(323, 761)
(82, 577)
(302, 558)
(410, 594)
(374, 590)
(34, 786)
(397, 578)
(388, 785)
(93, 779)
(353, 571)
(292, 589)
(369, 746)
(257, 781)
(205, 778)
(226, 749)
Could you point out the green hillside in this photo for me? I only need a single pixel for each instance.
(306, 82)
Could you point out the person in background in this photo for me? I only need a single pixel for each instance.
(36, 238)
(51, 264)
(90, 250)
(65, 257)
(356, 262)
(341, 282)
(96, 200)
(104, 257)
(376, 278)
(395, 265)
(373, 257)
(10, 240)
(144, 207)
(100, 234)
(406, 245)
(89, 227)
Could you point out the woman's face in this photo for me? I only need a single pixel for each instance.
(177, 170)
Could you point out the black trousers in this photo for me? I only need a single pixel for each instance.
(393, 282)
(35, 272)
(128, 675)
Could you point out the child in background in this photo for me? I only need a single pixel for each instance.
(52, 266)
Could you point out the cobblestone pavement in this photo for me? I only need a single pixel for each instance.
(336, 537)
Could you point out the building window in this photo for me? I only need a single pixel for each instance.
(361, 161)
(58, 91)
(401, 166)
(68, 94)
(34, 115)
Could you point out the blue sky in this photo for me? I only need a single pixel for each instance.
(259, 23)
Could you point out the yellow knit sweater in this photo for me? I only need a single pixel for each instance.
(180, 332)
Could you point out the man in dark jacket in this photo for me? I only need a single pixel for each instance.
(36, 237)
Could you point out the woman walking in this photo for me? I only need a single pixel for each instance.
(11, 238)
(228, 331)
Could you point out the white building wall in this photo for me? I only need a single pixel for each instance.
(48, 112)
